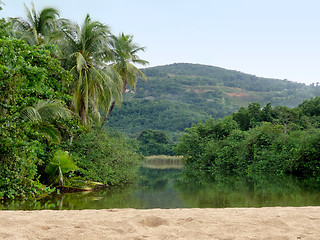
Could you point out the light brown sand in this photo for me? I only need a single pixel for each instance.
(231, 223)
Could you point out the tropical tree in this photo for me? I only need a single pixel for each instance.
(60, 164)
(38, 28)
(287, 117)
(83, 51)
(41, 116)
(123, 53)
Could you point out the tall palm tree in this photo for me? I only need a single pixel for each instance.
(84, 49)
(38, 27)
(123, 53)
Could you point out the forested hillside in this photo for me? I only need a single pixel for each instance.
(177, 95)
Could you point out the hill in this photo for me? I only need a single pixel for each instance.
(177, 95)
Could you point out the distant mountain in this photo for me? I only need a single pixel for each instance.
(177, 95)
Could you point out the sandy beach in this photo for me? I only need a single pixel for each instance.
(230, 223)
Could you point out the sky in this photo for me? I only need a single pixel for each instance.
(267, 38)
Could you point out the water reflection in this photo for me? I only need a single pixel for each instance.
(109, 198)
(171, 188)
(254, 191)
(158, 188)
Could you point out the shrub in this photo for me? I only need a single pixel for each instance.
(105, 158)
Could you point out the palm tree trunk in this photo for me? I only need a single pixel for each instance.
(108, 114)
(124, 86)
(113, 103)
(83, 114)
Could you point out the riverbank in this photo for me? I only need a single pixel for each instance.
(229, 223)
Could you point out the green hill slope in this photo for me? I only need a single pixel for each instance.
(177, 95)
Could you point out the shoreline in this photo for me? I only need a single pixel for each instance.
(185, 223)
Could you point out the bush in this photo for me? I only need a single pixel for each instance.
(27, 75)
(154, 142)
(105, 158)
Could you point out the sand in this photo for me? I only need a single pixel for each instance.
(229, 223)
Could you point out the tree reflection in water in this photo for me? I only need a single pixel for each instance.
(175, 188)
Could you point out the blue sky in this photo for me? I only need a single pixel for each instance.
(267, 38)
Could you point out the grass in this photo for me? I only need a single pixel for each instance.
(163, 162)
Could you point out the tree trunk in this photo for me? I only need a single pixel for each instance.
(124, 88)
(83, 115)
(60, 176)
(285, 132)
(108, 114)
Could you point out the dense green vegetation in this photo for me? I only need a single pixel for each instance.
(106, 158)
(178, 95)
(51, 101)
(154, 142)
(60, 81)
(28, 75)
(254, 140)
(136, 116)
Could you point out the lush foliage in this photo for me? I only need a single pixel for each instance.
(123, 53)
(83, 51)
(105, 158)
(50, 96)
(218, 75)
(101, 64)
(60, 164)
(158, 115)
(188, 93)
(154, 142)
(28, 74)
(38, 27)
(254, 140)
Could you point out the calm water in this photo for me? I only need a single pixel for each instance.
(166, 187)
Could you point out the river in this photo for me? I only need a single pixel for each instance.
(165, 186)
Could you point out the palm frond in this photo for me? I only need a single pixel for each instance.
(140, 61)
(42, 114)
(30, 114)
(124, 54)
(38, 25)
(64, 160)
(50, 110)
(51, 133)
(60, 164)
(81, 62)
(30, 16)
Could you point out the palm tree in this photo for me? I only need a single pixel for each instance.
(42, 114)
(84, 48)
(123, 52)
(60, 164)
(38, 27)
